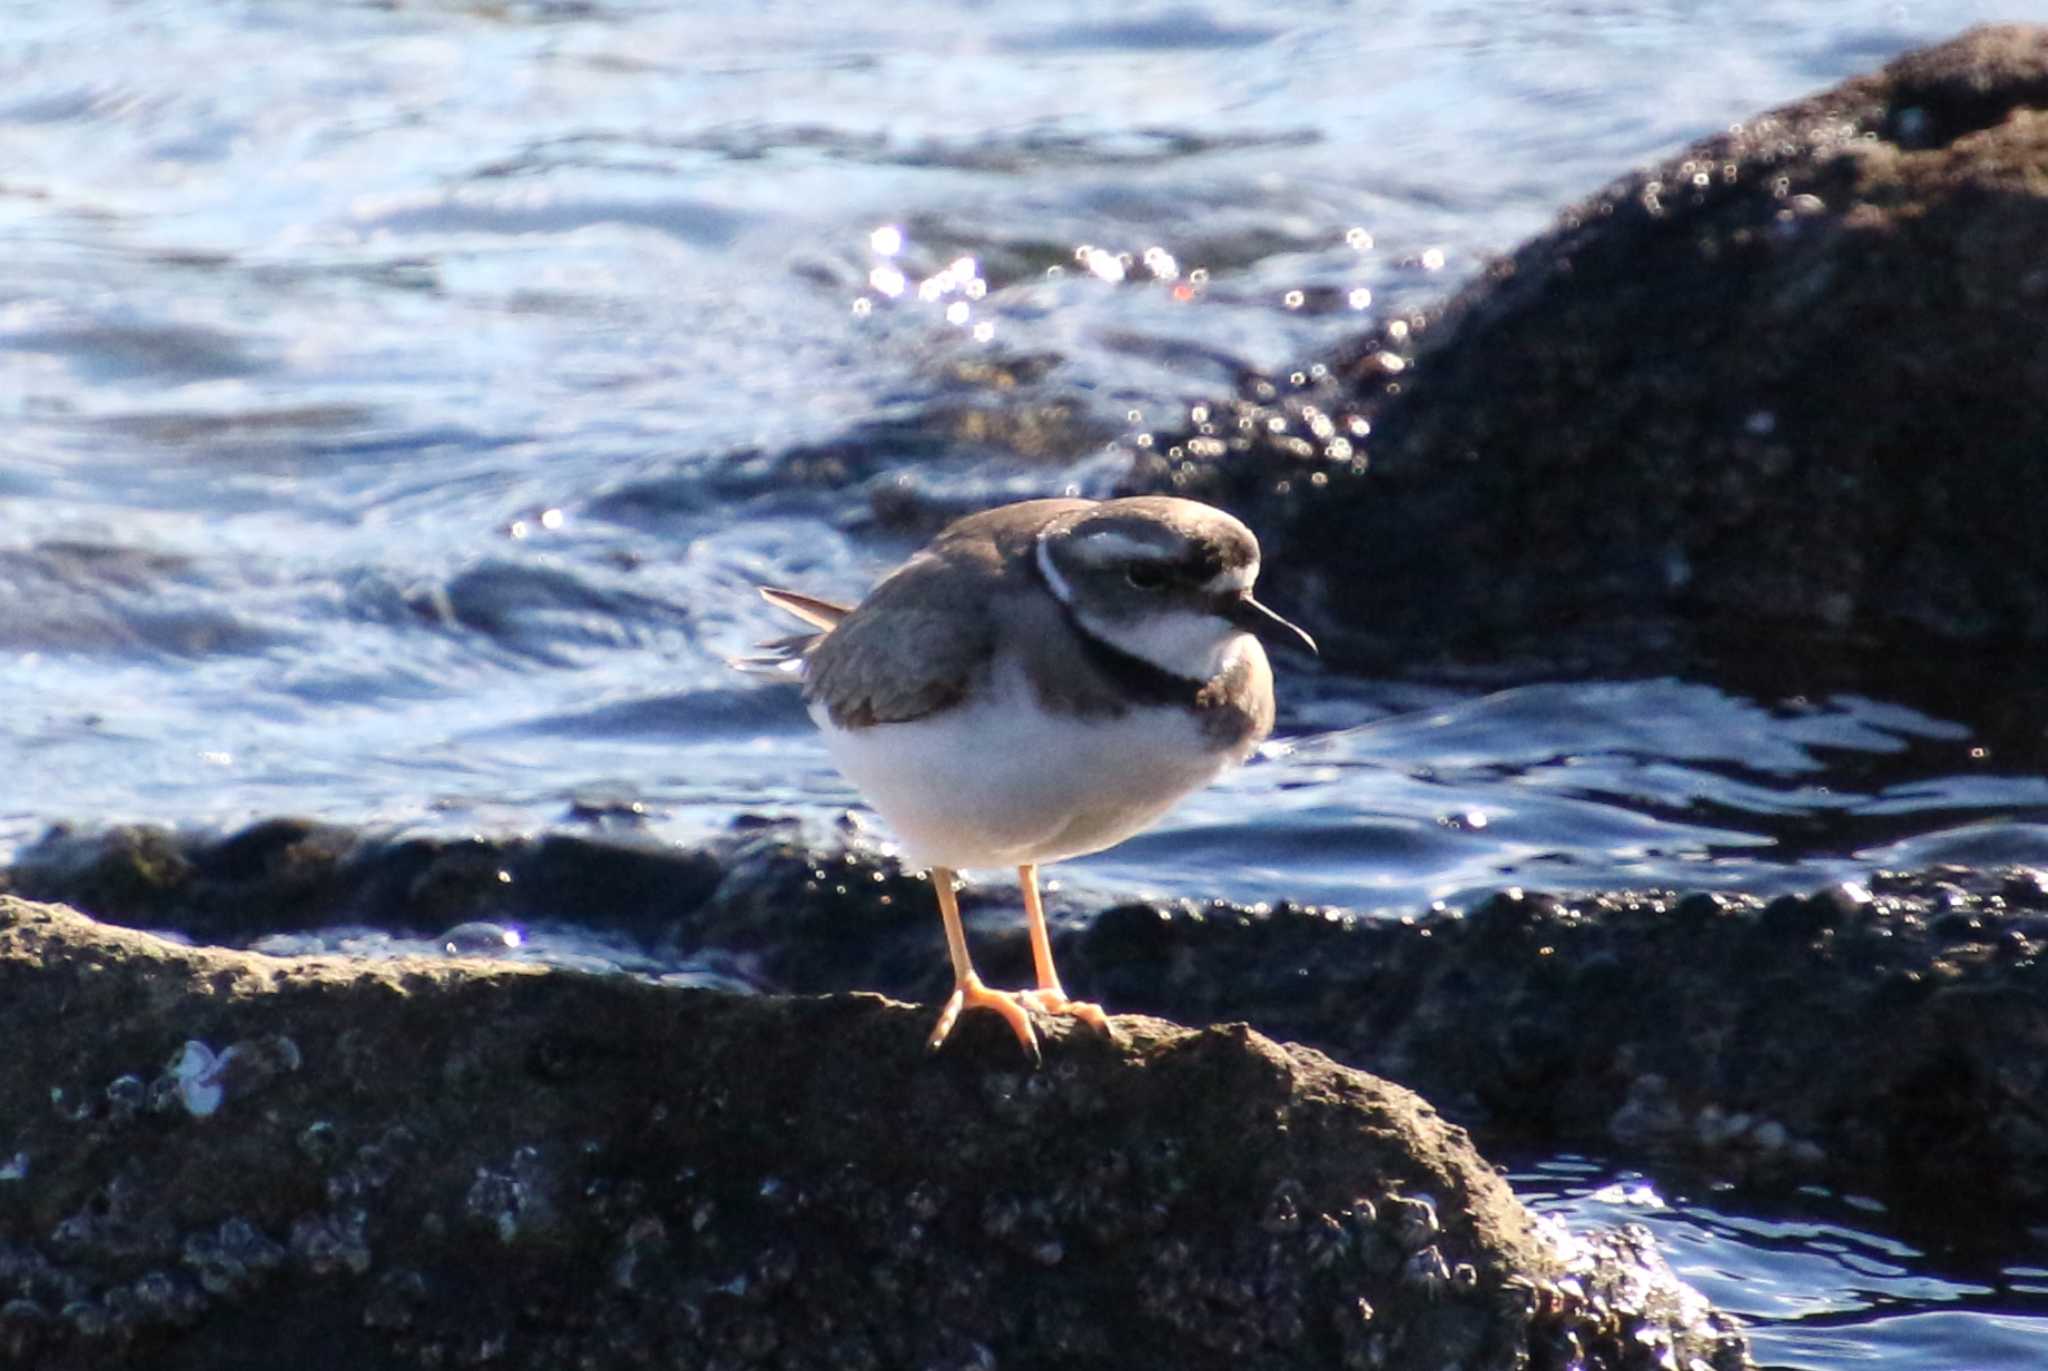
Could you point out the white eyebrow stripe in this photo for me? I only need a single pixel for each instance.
(1111, 546)
(1234, 580)
(1062, 592)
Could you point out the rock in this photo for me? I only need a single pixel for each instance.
(287, 874)
(1787, 389)
(449, 1163)
(1884, 1038)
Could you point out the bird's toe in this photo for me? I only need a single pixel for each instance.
(1054, 1000)
(972, 994)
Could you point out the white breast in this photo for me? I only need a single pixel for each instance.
(998, 782)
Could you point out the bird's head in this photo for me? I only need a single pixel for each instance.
(1168, 581)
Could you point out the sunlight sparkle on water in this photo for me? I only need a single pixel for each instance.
(1636, 1195)
(886, 241)
(964, 275)
(1107, 266)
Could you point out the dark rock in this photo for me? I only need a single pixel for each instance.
(1826, 1026)
(1786, 392)
(1884, 1040)
(139, 869)
(1791, 918)
(285, 875)
(468, 1162)
(607, 884)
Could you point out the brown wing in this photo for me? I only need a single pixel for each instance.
(913, 647)
(922, 638)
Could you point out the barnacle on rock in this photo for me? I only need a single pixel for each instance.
(393, 1299)
(1427, 1271)
(126, 1097)
(228, 1261)
(329, 1243)
(319, 1141)
(1412, 1220)
(203, 1081)
(1283, 1208)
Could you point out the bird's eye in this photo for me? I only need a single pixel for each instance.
(1145, 576)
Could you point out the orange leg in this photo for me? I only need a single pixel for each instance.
(1049, 996)
(968, 991)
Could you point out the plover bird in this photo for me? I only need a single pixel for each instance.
(1040, 682)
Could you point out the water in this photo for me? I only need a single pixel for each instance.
(1819, 1279)
(401, 402)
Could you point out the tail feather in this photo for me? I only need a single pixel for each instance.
(817, 613)
(782, 659)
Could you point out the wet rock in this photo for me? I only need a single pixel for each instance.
(707, 1179)
(139, 869)
(1883, 1036)
(1886, 1038)
(287, 874)
(1785, 389)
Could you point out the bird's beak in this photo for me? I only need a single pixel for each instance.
(1255, 619)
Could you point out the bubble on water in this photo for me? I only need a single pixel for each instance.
(480, 938)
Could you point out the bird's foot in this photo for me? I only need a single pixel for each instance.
(972, 994)
(1053, 1000)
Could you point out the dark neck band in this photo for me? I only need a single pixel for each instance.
(1141, 682)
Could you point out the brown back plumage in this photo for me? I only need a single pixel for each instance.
(927, 631)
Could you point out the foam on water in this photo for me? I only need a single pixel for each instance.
(1823, 1281)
